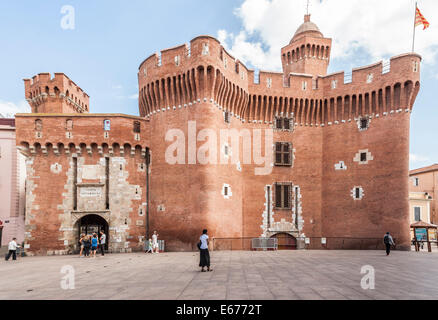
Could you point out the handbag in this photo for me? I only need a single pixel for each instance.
(199, 245)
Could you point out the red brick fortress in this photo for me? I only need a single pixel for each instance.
(336, 167)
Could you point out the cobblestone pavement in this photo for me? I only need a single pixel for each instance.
(237, 275)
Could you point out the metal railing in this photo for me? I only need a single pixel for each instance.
(310, 243)
(264, 243)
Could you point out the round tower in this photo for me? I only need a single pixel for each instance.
(308, 52)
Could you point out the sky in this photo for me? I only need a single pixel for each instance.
(102, 44)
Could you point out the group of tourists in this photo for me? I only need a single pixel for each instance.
(90, 244)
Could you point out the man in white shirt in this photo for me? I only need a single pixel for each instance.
(12, 247)
(155, 242)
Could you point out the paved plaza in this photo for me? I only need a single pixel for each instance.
(289, 275)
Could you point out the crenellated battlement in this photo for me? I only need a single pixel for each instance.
(55, 95)
(35, 134)
(205, 76)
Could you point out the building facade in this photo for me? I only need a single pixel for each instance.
(245, 154)
(423, 193)
(12, 184)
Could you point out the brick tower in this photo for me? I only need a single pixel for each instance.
(55, 95)
(308, 52)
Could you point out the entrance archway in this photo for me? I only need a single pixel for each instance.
(93, 223)
(285, 241)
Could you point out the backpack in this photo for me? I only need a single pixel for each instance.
(386, 239)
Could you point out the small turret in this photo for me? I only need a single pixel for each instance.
(55, 95)
(308, 52)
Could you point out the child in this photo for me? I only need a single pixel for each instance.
(149, 246)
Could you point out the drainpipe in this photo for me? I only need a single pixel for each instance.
(147, 193)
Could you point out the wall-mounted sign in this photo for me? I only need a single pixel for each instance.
(90, 192)
(432, 235)
(323, 240)
(307, 240)
(421, 234)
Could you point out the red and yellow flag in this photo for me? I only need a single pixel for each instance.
(421, 20)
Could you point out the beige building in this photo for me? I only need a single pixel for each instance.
(423, 194)
(12, 184)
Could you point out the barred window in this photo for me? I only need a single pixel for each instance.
(283, 123)
(283, 195)
(283, 154)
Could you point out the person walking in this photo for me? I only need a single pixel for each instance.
(204, 260)
(102, 242)
(94, 242)
(387, 239)
(81, 243)
(155, 246)
(12, 247)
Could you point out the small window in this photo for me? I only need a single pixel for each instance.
(38, 125)
(304, 85)
(363, 123)
(225, 191)
(416, 182)
(415, 66)
(226, 116)
(370, 78)
(357, 193)
(417, 213)
(283, 154)
(269, 82)
(221, 55)
(136, 126)
(107, 125)
(205, 49)
(334, 84)
(225, 62)
(282, 195)
(237, 67)
(226, 150)
(363, 157)
(69, 125)
(177, 60)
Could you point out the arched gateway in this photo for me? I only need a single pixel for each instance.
(93, 223)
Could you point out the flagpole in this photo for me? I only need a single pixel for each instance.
(415, 20)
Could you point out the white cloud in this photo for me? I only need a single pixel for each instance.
(380, 28)
(133, 96)
(9, 109)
